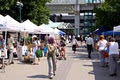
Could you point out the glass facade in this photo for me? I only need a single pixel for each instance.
(88, 19)
(94, 1)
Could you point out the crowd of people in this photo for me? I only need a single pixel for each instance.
(55, 49)
(30, 51)
(108, 52)
(112, 51)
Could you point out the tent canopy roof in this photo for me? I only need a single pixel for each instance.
(9, 24)
(111, 33)
(29, 26)
(101, 29)
(61, 25)
(55, 25)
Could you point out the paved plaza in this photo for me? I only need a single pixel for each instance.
(76, 67)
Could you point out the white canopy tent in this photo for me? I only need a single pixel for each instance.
(16, 23)
(29, 26)
(116, 28)
(56, 31)
(9, 24)
(1, 17)
(45, 29)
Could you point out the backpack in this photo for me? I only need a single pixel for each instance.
(51, 49)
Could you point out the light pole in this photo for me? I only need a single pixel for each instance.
(20, 5)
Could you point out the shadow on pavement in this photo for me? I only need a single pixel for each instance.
(38, 76)
(102, 73)
(24, 63)
(81, 56)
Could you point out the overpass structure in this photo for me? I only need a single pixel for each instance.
(75, 7)
(68, 6)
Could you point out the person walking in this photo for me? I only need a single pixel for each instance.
(81, 39)
(51, 57)
(10, 44)
(35, 44)
(45, 49)
(90, 45)
(100, 47)
(74, 44)
(62, 48)
(113, 56)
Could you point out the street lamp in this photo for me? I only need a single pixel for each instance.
(20, 5)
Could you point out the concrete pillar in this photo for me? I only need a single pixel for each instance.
(77, 18)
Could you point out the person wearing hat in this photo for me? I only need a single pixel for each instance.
(35, 47)
(100, 47)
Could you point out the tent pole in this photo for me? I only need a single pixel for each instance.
(5, 37)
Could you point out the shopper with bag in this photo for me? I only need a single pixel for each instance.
(35, 49)
(74, 44)
(113, 56)
(100, 46)
(51, 57)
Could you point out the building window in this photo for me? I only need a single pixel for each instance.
(94, 1)
(87, 24)
(88, 19)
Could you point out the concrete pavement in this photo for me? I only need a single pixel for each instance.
(76, 67)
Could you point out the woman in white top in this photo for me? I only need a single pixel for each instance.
(101, 45)
(35, 44)
(74, 43)
(113, 56)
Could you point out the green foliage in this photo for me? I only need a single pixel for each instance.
(35, 10)
(5, 4)
(108, 14)
(28, 39)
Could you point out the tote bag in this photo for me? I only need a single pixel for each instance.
(38, 53)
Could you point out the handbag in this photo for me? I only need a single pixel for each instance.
(106, 49)
(77, 46)
(105, 54)
(119, 55)
(38, 53)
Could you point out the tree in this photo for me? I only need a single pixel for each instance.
(35, 10)
(5, 6)
(108, 14)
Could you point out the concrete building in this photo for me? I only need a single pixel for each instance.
(77, 12)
